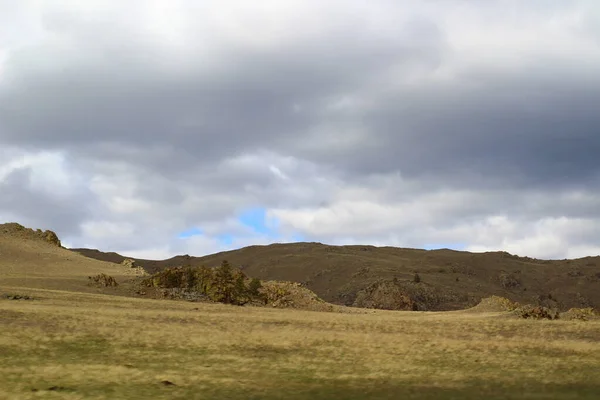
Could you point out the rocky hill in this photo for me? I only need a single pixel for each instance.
(35, 259)
(18, 231)
(398, 278)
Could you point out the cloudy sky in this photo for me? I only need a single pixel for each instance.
(156, 128)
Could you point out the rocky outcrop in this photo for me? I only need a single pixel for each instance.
(18, 231)
(129, 263)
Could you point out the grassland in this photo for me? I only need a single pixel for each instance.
(95, 346)
(75, 341)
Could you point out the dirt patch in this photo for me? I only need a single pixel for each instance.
(495, 304)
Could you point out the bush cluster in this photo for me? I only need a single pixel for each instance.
(582, 314)
(536, 312)
(102, 280)
(223, 284)
(509, 280)
(16, 297)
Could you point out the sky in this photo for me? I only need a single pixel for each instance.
(156, 128)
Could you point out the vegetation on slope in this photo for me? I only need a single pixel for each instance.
(223, 284)
(451, 280)
(228, 285)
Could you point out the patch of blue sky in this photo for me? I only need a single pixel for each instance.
(225, 239)
(256, 218)
(190, 232)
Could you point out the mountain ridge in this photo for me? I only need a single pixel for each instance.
(449, 279)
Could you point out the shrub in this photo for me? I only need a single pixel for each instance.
(16, 297)
(254, 287)
(102, 280)
(509, 281)
(223, 284)
(536, 312)
(204, 279)
(581, 314)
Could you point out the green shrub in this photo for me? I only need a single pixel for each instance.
(223, 284)
(254, 287)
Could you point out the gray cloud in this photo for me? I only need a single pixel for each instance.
(34, 204)
(341, 114)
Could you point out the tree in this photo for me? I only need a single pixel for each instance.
(204, 279)
(189, 278)
(240, 294)
(417, 278)
(254, 287)
(223, 287)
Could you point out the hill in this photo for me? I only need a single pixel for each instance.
(35, 259)
(97, 345)
(385, 277)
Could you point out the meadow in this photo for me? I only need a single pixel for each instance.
(69, 345)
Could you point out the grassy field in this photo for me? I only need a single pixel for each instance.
(91, 346)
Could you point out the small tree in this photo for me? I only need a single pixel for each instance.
(204, 279)
(254, 287)
(189, 278)
(416, 278)
(240, 291)
(171, 278)
(223, 283)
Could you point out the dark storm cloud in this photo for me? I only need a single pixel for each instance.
(533, 127)
(104, 90)
(521, 133)
(539, 128)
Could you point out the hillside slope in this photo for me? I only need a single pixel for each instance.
(384, 277)
(35, 259)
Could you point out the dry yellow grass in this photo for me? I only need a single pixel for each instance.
(92, 346)
(74, 343)
(36, 264)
